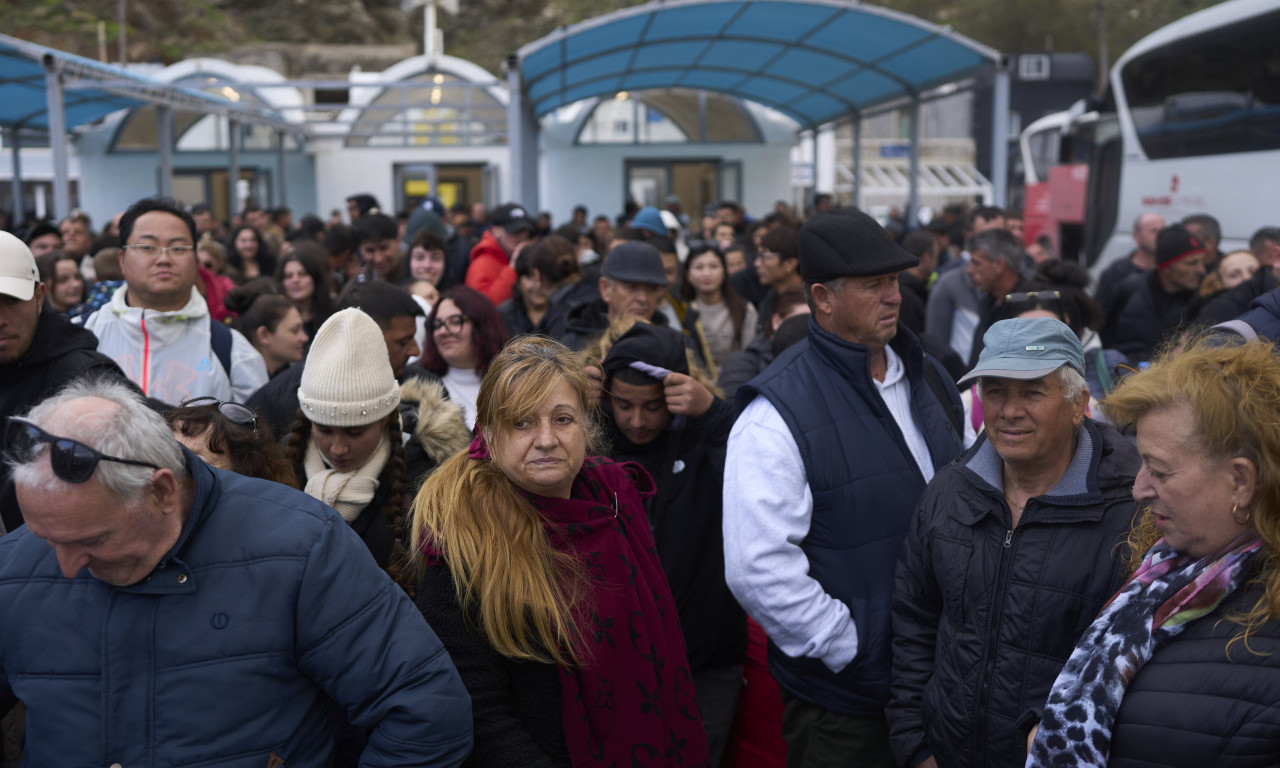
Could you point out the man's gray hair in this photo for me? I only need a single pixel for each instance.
(129, 430)
(1072, 382)
(998, 244)
(834, 285)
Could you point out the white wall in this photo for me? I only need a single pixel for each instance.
(594, 175)
(344, 171)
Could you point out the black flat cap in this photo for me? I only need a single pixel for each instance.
(635, 262)
(848, 243)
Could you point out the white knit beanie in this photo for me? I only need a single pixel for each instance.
(348, 381)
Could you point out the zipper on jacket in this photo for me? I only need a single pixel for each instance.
(994, 618)
(146, 352)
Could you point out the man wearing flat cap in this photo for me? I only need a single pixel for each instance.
(632, 283)
(835, 442)
(1014, 549)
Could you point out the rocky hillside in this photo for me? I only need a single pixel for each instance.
(486, 31)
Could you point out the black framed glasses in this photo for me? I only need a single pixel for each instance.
(71, 460)
(453, 322)
(235, 413)
(1021, 296)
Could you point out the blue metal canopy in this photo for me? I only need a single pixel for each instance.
(813, 60)
(92, 90)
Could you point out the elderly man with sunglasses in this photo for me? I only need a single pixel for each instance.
(158, 611)
(157, 326)
(1012, 552)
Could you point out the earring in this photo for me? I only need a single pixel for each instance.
(1248, 515)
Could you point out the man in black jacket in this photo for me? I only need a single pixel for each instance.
(665, 420)
(1013, 550)
(1158, 301)
(40, 350)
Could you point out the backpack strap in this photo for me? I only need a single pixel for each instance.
(220, 340)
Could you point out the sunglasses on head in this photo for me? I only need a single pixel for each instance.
(1018, 298)
(235, 413)
(71, 460)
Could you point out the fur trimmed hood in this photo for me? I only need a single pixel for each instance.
(436, 423)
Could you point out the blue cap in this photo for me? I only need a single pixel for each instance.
(650, 218)
(1027, 348)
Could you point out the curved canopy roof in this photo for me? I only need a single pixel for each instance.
(814, 60)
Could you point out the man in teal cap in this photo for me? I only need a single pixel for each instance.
(1013, 550)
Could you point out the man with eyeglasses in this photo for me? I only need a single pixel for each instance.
(158, 611)
(40, 350)
(157, 326)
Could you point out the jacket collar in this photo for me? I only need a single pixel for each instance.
(172, 576)
(853, 361)
(196, 307)
(1075, 497)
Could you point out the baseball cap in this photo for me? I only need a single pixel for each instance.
(635, 262)
(848, 243)
(18, 273)
(1174, 243)
(650, 219)
(511, 217)
(1027, 348)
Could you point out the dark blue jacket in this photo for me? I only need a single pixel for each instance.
(1264, 315)
(266, 611)
(865, 485)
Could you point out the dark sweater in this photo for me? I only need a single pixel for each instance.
(515, 705)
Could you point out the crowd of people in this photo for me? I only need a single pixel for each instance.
(458, 487)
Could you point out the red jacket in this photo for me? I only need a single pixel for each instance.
(490, 272)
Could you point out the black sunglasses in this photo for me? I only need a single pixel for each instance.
(235, 413)
(71, 460)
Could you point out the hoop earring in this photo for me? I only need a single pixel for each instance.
(1248, 515)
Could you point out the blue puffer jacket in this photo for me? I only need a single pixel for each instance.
(232, 651)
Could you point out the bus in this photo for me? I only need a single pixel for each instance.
(1190, 124)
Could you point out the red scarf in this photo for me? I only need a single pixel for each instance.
(631, 702)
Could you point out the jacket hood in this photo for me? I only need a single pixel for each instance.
(441, 427)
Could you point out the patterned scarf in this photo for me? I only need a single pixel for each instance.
(631, 701)
(1168, 591)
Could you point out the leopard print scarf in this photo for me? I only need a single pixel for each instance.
(1168, 591)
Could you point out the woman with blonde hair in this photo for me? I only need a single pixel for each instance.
(538, 572)
(1182, 666)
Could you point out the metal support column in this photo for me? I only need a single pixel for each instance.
(233, 169)
(57, 138)
(522, 138)
(913, 197)
(164, 142)
(1000, 134)
(282, 196)
(857, 161)
(15, 157)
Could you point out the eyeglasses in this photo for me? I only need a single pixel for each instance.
(149, 250)
(235, 413)
(1021, 296)
(71, 460)
(453, 322)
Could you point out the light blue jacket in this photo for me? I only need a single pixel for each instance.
(266, 611)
